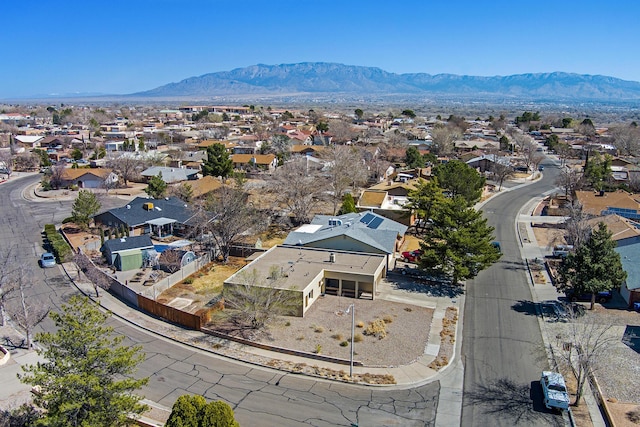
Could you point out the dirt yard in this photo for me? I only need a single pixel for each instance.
(326, 329)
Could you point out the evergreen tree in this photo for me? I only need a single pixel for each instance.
(424, 202)
(459, 179)
(85, 378)
(157, 187)
(594, 266)
(194, 411)
(458, 241)
(84, 207)
(218, 162)
(413, 159)
(348, 205)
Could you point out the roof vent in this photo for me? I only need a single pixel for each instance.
(332, 257)
(128, 206)
(123, 239)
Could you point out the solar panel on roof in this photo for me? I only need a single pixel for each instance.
(375, 223)
(367, 218)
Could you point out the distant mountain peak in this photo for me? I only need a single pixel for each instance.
(308, 78)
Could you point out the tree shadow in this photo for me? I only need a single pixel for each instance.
(520, 403)
(529, 308)
(631, 338)
(430, 288)
(512, 265)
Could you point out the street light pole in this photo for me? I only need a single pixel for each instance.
(352, 308)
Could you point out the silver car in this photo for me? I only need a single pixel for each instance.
(47, 260)
(554, 390)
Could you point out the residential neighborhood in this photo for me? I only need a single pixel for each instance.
(318, 210)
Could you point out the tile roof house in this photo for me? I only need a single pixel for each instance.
(266, 162)
(619, 202)
(309, 273)
(364, 232)
(388, 199)
(88, 178)
(203, 186)
(158, 217)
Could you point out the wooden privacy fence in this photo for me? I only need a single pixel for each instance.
(174, 315)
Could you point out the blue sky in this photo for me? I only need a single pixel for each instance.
(119, 47)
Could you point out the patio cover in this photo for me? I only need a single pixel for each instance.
(160, 221)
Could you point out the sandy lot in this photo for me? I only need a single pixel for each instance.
(326, 325)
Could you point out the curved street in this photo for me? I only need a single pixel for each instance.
(502, 348)
(259, 396)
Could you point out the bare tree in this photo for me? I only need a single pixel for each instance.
(255, 301)
(26, 314)
(569, 180)
(56, 175)
(26, 161)
(226, 216)
(342, 130)
(626, 139)
(8, 269)
(577, 226)
(298, 185)
(171, 260)
(346, 168)
(444, 138)
(127, 166)
(501, 172)
(98, 279)
(587, 342)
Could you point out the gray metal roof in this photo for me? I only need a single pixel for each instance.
(367, 227)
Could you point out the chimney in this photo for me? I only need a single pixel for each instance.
(332, 257)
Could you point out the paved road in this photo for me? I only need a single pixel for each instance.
(502, 347)
(260, 397)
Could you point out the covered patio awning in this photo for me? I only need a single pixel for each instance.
(160, 221)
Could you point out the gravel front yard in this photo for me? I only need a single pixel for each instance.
(326, 325)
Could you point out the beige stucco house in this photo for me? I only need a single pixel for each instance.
(312, 272)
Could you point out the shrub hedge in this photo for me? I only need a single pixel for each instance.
(59, 246)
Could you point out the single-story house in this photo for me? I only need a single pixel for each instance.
(266, 162)
(126, 253)
(157, 217)
(312, 272)
(388, 199)
(363, 232)
(88, 178)
(629, 255)
(606, 203)
(171, 175)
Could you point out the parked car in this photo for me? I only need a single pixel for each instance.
(47, 260)
(601, 297)
(540, 168)
(411, 256)
(554, 390)
(561, 251)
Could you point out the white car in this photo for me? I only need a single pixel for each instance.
(554, 390)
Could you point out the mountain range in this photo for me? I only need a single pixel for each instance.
(321, 78)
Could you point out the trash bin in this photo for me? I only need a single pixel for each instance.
(636, 306)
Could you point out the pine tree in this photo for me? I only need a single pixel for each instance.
(85, 379)
(594, 267)
(84, 207)
(218, 162)
(348, 205)
(156, 187)
(458, 241)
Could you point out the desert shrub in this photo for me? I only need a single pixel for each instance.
(388, 319)
(300, 337)
(344, 343)
(357, 338)
(634, 415)
(318, 349)
(377, 328)
(188, 281)
(318, 329)
(360, 324)
(287, 323)
(408, 309)
(338, 337)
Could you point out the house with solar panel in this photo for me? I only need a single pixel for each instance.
(362, 232)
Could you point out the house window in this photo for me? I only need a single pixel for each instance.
(311, 294)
